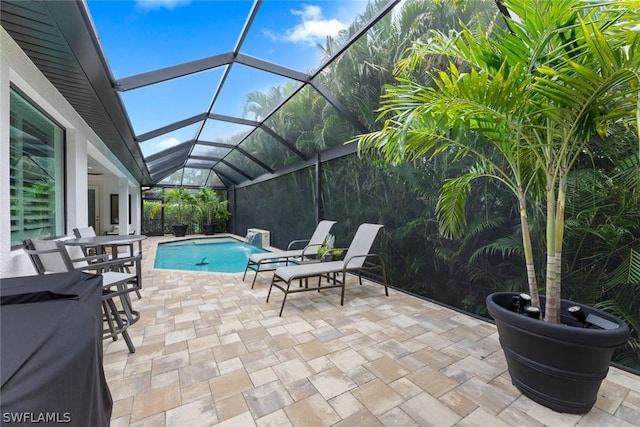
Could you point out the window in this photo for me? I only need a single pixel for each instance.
(37, 173)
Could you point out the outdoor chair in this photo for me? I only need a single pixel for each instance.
(256, 262)
(86, 232)
(358, 259)
(50, 256)
(123, 250)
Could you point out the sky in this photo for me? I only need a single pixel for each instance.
(144, 35)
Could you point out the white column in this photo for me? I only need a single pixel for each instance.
(5, 203)
(123, 204)
(136, 225)
(77, 181)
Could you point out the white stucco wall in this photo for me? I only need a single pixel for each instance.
(108, 185)
(17, 69)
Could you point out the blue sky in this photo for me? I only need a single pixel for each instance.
(143, 35)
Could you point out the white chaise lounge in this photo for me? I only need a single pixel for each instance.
(263, 261)
(355, 261)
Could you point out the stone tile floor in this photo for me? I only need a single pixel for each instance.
(211, 351)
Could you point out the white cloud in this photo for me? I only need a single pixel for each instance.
(313, 29)
(168, 143)
(308, 12)
(159, 4)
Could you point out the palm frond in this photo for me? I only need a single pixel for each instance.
(506, 247)
(627, 273)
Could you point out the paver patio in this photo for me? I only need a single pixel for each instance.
(211, 351)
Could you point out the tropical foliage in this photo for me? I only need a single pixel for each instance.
(529, 108)
(600, 262)
(212, 209)
(179, 199)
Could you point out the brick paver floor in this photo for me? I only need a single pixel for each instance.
(211, 351)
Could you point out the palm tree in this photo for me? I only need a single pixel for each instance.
(207, 204)
(183, 200)
(359, 75)
(527, 110)
(178, 201)
(259, 105)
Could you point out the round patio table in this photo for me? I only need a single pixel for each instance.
(112, 241)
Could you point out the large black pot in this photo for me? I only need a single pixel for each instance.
(560, 366)
(179, 230)
(208, 229)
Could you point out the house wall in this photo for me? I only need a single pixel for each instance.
(108, 185)
(17, 69)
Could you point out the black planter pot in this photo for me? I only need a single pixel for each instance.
(208, 229)
(560, 366)
(179, 230)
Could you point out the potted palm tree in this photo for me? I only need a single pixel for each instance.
(221, 215)
(208, 202)
(182, 202)
(525, 103)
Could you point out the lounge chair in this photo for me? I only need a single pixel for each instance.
(50, 256)
(355, 261)
(256, 262)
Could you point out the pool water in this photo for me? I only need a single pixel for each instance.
(222, 255)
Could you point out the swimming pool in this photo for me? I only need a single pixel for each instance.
(222, 255)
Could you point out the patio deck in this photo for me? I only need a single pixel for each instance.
(211, 351)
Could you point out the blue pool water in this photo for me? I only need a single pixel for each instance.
(222, 255)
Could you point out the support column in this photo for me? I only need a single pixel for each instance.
(77, 181)
(234, 203)
(136, 208)
(123, 206)
(318, 198)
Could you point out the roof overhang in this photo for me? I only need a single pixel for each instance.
(59, 37)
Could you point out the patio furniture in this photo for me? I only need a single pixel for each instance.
(86, 232)
(115, 230)
(111, 241)
(51, 256)
(120, 246)
(357, 260)
(52, 351)
(256, 262)
(127, 260)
